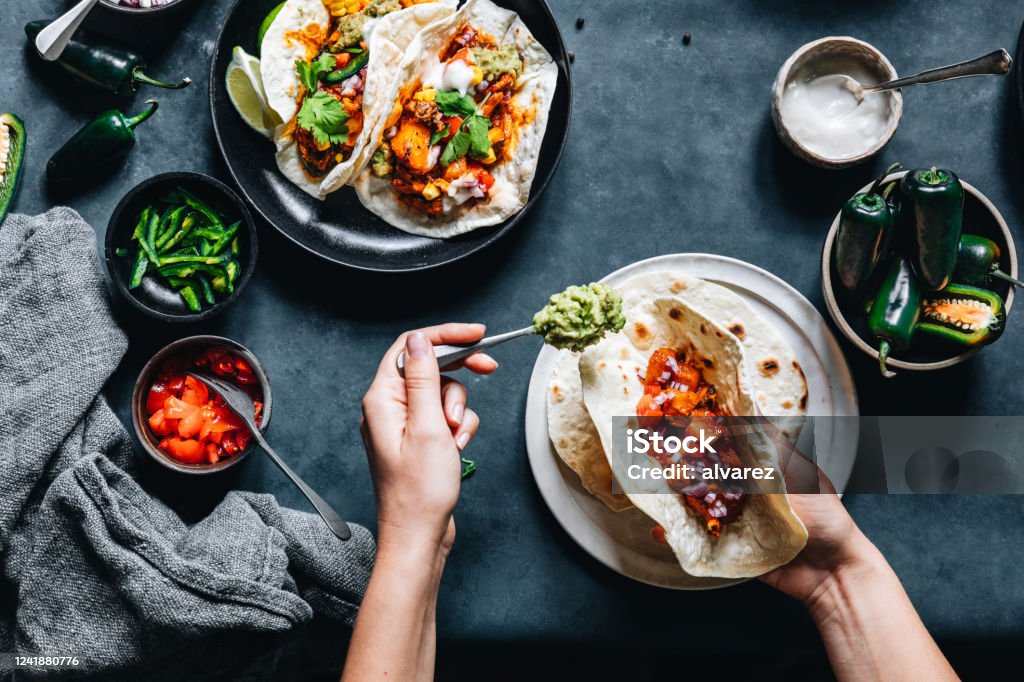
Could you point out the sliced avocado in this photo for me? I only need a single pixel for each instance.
(12, 158)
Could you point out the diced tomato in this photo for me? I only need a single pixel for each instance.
(160, 425)
(223, 366)
(648, 413)
(190, 424)
(215, 436)
(225, 420)
(246, 378)
(229, 445)
(176, 408)
(341, 59)
(242, 437)
(212, 455)
(196, 392)
(155, 398)
(462, 54)
(189, 451)
(176, 385)
(259, 412)
(454, 123)
(652, 389)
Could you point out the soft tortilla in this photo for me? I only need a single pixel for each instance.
(388, 40)
(768, 534)
(777, 382)
(513, 175)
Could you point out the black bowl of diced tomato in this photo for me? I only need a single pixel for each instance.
(181, 423)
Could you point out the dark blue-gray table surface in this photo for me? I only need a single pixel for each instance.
(671, 149)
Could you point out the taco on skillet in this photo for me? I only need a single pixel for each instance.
(672, 368)
(469, 109)
(327, 68)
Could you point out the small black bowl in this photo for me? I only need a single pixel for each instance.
(114, 6)
(140, 420)
(154, 297)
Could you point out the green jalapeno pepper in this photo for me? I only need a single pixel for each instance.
(350, 69)
(935, 200)
(12, 158)
(106, 65)
(894, 313)
(963, 314)
(864, 239)
(107, 138)
(977, 262)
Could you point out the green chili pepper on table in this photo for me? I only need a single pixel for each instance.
(107, 138)
(104, 64)
(977, 262)
(864, 239)
(934, 200)
(962, 314)
(894, 313)
(12, 159)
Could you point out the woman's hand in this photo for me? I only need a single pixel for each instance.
(414, 428)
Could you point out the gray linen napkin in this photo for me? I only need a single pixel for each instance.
(92, 565)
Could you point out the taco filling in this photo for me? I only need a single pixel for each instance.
(678, 401)
(330, 114)
(453, 125)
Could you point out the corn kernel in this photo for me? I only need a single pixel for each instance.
(490, 158)
(478, 75)
(338, 158)
(425, 95)
(495, 135)
(323, 147)
(431, 192)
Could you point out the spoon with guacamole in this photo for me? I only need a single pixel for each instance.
(578, 317)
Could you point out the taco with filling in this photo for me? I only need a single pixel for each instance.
(460, 145)
(328, 67)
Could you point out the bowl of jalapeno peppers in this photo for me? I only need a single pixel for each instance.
(181, 247)
(919, 270)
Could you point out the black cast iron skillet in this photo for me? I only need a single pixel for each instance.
(340, 229)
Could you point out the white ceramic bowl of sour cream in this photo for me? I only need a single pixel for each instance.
(819, 121)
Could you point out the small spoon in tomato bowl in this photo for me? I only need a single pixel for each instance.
(241, 404)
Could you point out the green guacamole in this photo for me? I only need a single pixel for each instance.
(580, 316)
(496, 62)
(350, 26)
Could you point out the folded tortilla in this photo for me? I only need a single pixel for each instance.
(768, 534)
(300, 31)
(776, 379)
(513, 175)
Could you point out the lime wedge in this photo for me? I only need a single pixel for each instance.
(245, 90)
(266, 25)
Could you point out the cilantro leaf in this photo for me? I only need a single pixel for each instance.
(309, 74)
(480, 143)
(324, 116)
(456, 147)
(451, 103)
(440, 134)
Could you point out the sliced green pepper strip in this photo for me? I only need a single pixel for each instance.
(207, 233)
(207, 288)
(146, 240)
(187, 226)
(203, 260)
(198, 205)
(963, 314)
(169, 226)
(178, 282)
(234, 246)
(191, 300)
(140, 226)
(232, 269)
(139, 268)
(225, 239)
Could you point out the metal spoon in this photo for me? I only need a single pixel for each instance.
(52, 40)
(995, 63)
(447, 355)
(239, 402)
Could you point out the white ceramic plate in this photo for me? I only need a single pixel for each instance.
(622, 541)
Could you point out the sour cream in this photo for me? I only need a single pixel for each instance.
(825, 118)
(457, 75)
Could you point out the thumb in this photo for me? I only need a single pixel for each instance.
(422, 384)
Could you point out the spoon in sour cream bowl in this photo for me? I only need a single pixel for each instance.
(993, 64)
